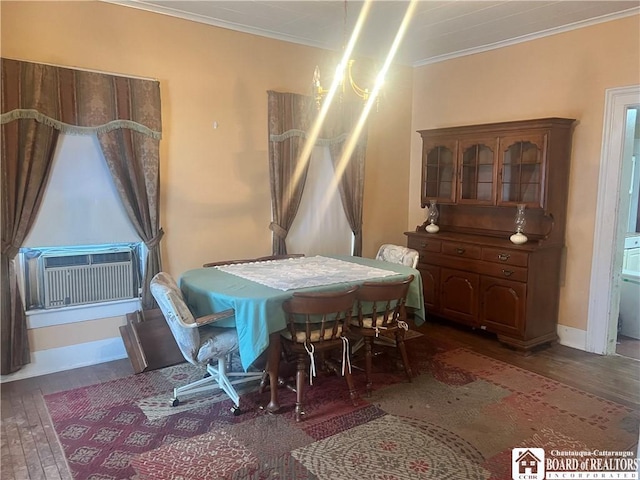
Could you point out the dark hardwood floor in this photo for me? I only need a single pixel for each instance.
(613, 377)
(30, 450)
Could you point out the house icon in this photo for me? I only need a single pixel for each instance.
(528, 463)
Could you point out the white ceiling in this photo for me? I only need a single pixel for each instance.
(438, 29)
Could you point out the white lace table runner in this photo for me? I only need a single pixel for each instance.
(303, 272)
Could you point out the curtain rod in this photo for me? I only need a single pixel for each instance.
(137, 77)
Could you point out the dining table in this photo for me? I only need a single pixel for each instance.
(256, 291)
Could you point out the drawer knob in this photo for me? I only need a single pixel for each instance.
(507, 273)
(424, 244)
(459, 251)
(503, 257)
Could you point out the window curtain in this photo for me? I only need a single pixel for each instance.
(132, 158)
(341, 122)
(27, 152)
(38, 102)
(290, 116)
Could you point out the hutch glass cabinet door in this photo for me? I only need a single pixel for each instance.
(438, 172)
(477, 172)
(522, 167)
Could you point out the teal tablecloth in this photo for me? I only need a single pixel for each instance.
(258, 308)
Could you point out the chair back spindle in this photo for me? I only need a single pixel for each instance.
(319, 317)
(382, 315)
(317, 323)
(382, 304)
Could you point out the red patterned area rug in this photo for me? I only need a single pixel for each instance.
(459, 419)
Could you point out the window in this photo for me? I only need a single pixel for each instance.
(82, 248)
(321, 226)
(81, 205)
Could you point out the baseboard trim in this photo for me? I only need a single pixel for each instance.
(572, 337)
(60, 359)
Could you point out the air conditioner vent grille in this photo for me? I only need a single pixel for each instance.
(66, 261)
(114, 257)
(92, 278)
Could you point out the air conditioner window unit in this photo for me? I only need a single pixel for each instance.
(82, 276)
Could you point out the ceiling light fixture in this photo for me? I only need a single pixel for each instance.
(344, 75)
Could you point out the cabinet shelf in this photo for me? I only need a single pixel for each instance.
(471, 272)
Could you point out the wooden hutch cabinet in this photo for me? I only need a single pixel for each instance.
(472, 273)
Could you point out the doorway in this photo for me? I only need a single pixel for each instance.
(612, 219)
(628, 328)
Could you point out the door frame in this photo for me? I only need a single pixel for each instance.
(606, 263)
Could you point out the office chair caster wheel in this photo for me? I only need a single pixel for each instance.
(236, 411)
(175, 402)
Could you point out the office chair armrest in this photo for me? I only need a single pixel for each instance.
(213, 317)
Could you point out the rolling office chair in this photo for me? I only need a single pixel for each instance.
(398, 254)
(200, 342)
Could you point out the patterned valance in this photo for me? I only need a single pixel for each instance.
(298, 114)
(77, 101)
(321, 142)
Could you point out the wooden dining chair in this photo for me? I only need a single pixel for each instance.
(381, 312)
(401, 256)
(227, 262)
(249, 260)
(279, 257)
(316, 324)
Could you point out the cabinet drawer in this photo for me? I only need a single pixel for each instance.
(509, 272)
(463, 250)
(424, 244)
(506, 257)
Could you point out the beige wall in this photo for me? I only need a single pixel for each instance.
(563, 75)
(215, 199)
(63, 335)
(215, 195)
